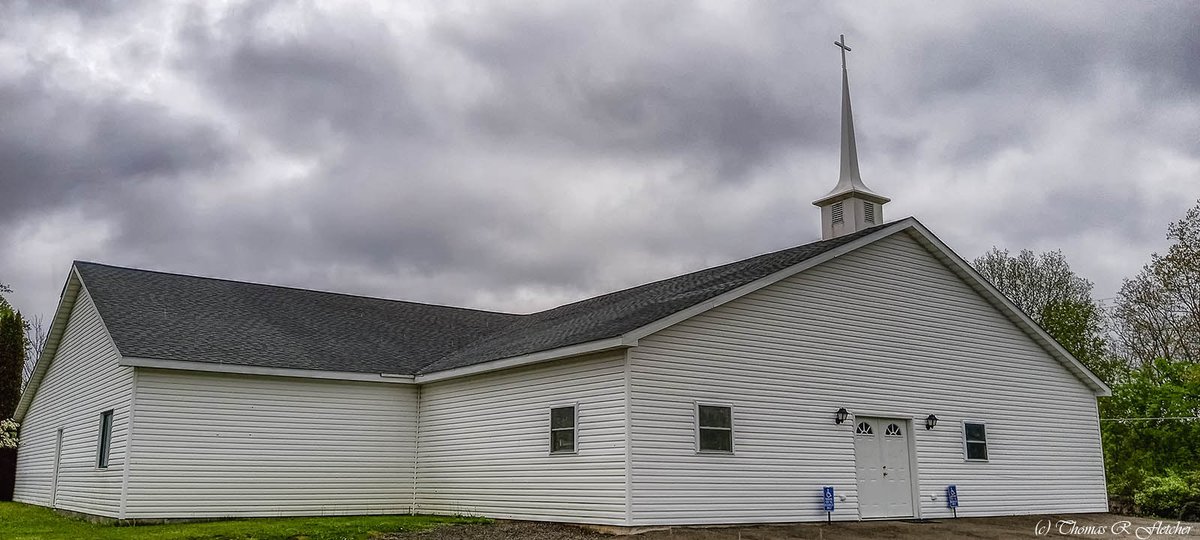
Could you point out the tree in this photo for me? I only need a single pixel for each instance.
(12, 359)
(1152, 422)
(1158, 312)
(35, 336)
(1056, 298)
(35, 343)
(1154, 413)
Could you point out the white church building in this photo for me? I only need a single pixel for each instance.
(874, 361)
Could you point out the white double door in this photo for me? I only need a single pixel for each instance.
(881, 456)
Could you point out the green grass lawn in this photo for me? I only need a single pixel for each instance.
(25, 522)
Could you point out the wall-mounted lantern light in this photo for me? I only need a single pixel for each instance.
(930, 421)
(841, 415)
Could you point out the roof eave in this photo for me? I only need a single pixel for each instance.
(58, 326)
(1022, 320)
(580, 349)
(769, 279)
(846, 194)
(209, 367)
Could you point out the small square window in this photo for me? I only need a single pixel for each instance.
(975, 441)
(562, 430)
(714, 428)
(106, 425)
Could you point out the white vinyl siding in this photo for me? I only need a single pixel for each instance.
(219, 445)
(484, 448)
(83, 381)
(886, 330)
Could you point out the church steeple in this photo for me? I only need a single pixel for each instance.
(851, 206)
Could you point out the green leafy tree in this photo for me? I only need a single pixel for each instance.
(1153, 417)
(1150, 433)
(35, 335)
(12, 359)
(1055, 297)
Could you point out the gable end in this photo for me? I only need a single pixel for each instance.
(58, 326)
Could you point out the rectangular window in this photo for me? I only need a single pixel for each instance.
(868, 212)
(562, 430)
(106, 423)
(975, 441)
(837, 212)
(714, 428)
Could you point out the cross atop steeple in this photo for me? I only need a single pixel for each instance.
(842, 43)
(850, 206)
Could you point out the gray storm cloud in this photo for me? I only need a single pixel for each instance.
(515, 157)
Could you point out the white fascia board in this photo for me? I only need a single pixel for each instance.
(748, 288)
(183, 365)
(600, 345)
(1034, 329)
(58, 325)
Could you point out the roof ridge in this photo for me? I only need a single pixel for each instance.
(288, 287)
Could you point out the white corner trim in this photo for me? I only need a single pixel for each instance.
(768, 280)
(128, 445)
(208, 367)
(628, 437)
(600, 345)
(1033, 329)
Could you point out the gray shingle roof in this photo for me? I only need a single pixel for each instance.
(177, 317)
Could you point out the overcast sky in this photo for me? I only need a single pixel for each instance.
(515, 157)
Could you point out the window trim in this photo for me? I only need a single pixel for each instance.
(574, 427)
(732, 427)
(104, 439)
(986, 444)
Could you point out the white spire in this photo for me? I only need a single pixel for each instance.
(850, 184)
(850, 179)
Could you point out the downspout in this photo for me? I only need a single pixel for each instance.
(628, 439)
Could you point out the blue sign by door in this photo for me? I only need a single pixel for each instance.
(828, 496)
(952, 496)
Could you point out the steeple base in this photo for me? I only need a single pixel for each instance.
(851, 212)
